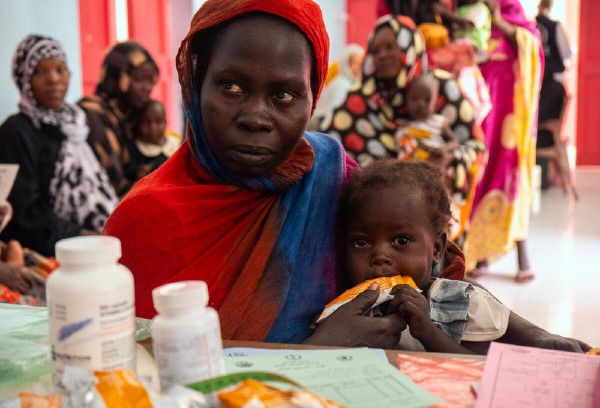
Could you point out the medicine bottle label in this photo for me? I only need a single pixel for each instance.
(92, 335)
(185, 359)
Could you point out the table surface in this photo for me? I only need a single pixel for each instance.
(391, 354)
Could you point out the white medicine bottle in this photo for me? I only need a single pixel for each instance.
(91, 311)
(186, 334)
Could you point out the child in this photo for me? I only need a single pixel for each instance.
(397, 216)
(151, 146)
(428, 137)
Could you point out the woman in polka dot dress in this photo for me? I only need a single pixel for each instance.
(374, 109)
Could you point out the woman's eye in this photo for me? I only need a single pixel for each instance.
(360, 243)
(284, 97)
(232, 88)
(401, 240)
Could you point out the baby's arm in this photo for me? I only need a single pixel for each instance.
(414, 308)
(449, 136)
(524, 333)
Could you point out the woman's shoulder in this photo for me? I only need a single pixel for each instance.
(17, 127)
(17, 120)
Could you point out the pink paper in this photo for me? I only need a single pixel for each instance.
(517, 376)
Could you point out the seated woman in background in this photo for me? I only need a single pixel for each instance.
(127, 77)
(334, 91)
(369, 118)
(151, 145)
(61, 190)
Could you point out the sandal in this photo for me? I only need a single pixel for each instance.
(478, 272)
(524, 276)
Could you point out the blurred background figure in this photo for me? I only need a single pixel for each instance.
(60, 190)
(343, 75)
(152, 145)
(128, 75)
(368, 119)
(500, 217)
(553, 94)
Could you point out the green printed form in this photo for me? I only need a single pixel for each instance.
(356, 378)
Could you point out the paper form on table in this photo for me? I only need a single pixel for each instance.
(517, 376)
(356, 378)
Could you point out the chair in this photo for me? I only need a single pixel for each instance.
(557, 153)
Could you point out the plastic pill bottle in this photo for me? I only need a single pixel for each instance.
(186, 334)
(91, 310)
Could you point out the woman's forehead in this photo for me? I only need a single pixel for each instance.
(266, 41)
(257, 24)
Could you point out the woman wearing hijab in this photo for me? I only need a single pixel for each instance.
(249, 203)
(60, 190)
(367, 121)
(500, 219)
(127, 77)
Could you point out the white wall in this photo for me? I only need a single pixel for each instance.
(18, 18)
(334, 15)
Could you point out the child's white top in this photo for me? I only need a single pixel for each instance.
(464, 312)
(152, 150)
(428, 131)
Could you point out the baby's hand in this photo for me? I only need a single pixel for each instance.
(414, 308)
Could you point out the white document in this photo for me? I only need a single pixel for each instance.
(8, 174)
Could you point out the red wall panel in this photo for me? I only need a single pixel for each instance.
(588, 111)
(97, 33)
(149, 24)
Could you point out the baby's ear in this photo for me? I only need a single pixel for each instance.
(439, 247)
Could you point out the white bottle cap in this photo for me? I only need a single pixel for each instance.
(178, 297)
(88, 250)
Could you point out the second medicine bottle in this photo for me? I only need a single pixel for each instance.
(186, 334)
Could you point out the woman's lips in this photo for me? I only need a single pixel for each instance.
(251, 154)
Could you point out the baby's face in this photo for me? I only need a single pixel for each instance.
(420, 100)
(389, 233)
(152, 124)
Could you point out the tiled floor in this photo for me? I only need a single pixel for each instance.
(564, 251)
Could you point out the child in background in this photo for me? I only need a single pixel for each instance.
(151, 146)
(428, 137)
(397, 216)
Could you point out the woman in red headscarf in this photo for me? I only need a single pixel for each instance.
(249, 204)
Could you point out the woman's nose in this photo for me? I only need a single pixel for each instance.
(256, 118)
(52, 76)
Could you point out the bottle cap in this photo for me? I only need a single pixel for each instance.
(180, 296)
(88, 250)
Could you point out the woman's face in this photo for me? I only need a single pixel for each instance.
(387, 55)
(50, 83)
(142, 80)
(256, 96)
